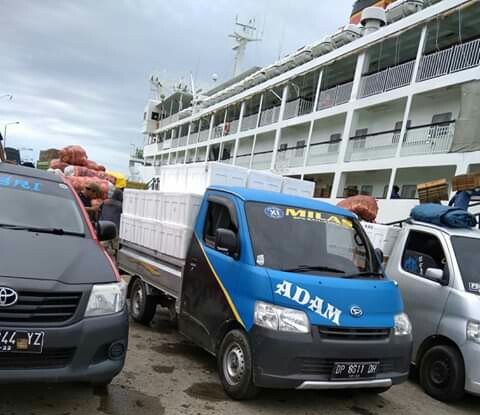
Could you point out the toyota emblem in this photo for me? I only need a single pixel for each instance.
(8, 297)
(356, 311)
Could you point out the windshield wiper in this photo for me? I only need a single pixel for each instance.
(54, 231)
(364, 274)
(306, 268)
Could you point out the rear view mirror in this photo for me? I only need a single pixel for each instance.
(226, 241)
(106, 230)
(434, 274)
(379, 254)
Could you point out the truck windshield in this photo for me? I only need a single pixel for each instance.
(33, 204)
(466, 251)
(295, 239)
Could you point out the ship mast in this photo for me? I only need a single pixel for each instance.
(243, 35)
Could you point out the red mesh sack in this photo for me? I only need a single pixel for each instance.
(92, 165)
(58, 164)
(78, 183)
(365, 207)
(75, 155)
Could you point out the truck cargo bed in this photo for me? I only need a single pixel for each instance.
(161, 271)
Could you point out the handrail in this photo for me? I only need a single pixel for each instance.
(291, 148)
(443, 123)
(338, 140)
(358, 137)
(262, 152)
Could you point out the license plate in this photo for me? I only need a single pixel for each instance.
(21, 341)
(355, 370)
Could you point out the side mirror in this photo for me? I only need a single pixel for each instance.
(106, 230)
(226, 241)
(434, 274)
(379, 254)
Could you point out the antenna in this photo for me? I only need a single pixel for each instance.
(243, 34)
(156, 87)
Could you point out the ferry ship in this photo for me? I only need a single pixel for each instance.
(390, 99)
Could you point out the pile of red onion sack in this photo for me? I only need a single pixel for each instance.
(74, 164)
(365, 207)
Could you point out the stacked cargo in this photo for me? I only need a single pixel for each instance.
(163, 220)
(73, 162)
(466, 182)
(433, 192)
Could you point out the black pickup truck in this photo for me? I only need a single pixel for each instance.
(62, 302)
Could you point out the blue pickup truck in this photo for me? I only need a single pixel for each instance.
(286, 292)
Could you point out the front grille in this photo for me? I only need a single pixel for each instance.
(317, 366)
(49, 359)
(340, 333)
(41, 307)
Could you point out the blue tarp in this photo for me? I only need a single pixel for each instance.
(443, 216)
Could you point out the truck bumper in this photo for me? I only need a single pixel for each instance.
(91, 350)
(470, 352)
(306, 361)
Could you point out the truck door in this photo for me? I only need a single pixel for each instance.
(210, 275)
(424, 299)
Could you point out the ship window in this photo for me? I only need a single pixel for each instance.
(385, 191)
(155, 116)
(442, 119)
(334, 143)
(360, 138)
(366, 190)
(398, 129)
(282, 151)
(300, 147)
(409, 191)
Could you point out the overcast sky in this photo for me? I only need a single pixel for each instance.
(78, 69)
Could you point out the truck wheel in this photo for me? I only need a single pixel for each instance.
(143, 307)
(442, 373)
(235, 366)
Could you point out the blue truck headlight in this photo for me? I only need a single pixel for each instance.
(106, 299)
(473, 331)
(281, 318)
(403, 327)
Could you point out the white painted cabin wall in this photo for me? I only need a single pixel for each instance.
(291, 135)
(419, 175)
(379, 118)
(376, 178)
(425, 106)
(323, 129)
(264, 142)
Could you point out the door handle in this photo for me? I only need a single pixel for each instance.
(193, 264)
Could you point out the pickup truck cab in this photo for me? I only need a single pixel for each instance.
(286, 292)
(437, 269)
(62, 304)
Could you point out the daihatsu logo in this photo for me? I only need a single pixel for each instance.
(356, 311)
(8, 297)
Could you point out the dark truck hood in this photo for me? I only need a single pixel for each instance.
(63, 258)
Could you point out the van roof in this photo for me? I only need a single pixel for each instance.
(467, 232)
(29, 172)
(254, 195)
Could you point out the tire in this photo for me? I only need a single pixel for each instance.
(235, 366)
(142, 306)
(442, 373)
